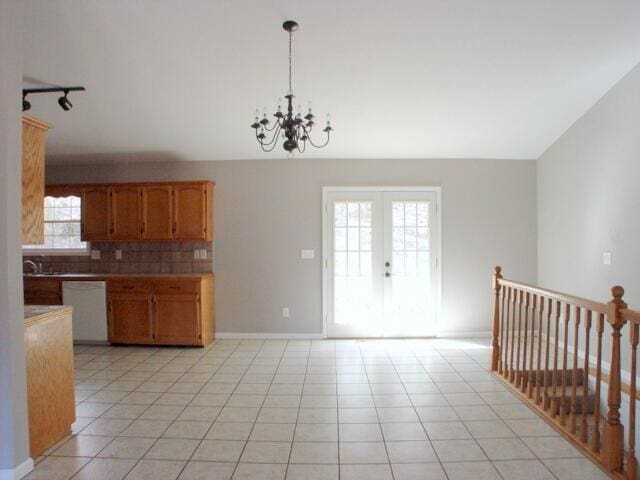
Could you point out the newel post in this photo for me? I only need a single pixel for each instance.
(613, 445)
(495, 344)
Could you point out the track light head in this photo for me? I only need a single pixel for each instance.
(64, 102)
(26, 104)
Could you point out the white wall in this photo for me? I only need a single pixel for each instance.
(14, 437)
(589, 200)
(266, 211)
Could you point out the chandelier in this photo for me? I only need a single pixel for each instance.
(295, 129)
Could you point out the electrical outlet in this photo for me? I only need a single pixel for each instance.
(196, 254)
(307, 254)
(203, 254)
(606, 258)
(285, 312)
(95, 254)
(118, 254)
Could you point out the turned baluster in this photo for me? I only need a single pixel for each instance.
(565, 374)
(538, 372)
(495, 354)
(545, 398)
(516, 378)
(554, 389)
(584, 434)
(523, 376)
(502, 365)
(632, 464)
(596, 407)
(532, 376)
(574, 374)
(507, 343)
(613, 436)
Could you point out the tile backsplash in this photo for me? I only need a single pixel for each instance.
(137, 257)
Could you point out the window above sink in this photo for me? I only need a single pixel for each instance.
(62, 228)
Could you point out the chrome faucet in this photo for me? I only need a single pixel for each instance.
(37, 268)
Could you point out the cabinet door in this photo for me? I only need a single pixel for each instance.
(177, 319)
(130, 318)
(157, 214)
(190, 211)
(95, 214)
(126, 222)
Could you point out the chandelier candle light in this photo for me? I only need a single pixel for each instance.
(296, 129)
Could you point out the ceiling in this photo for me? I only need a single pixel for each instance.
(170, 79)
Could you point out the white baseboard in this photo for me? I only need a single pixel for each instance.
(319, 336)
(18, 472)
(268, 336)
(481, 334)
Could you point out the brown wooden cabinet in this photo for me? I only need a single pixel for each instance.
(157, 212)
(34, 133)
(179, 211)
(96, 224)
(125, 213)
(42, 291)
(130, 318)
(176, 319)
(162, 311)
(191, 212)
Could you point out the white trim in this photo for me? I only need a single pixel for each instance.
(325, 243)
(18, 472)
(268, 336)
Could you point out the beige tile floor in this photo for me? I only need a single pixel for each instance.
(312, 410)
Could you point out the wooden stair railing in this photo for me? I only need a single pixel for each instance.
(542, 347)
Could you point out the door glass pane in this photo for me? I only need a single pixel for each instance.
(410, 297)
(354, 302)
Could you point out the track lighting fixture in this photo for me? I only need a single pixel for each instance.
(63, 101)
(26, 105)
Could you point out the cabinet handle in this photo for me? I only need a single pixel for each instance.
(175, 227)
(143, 228)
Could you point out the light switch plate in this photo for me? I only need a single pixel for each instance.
(307, 254)
(203, 254)
(285, 312)
(95, 254)
(606, 258)
(196, 254)
(118, 254)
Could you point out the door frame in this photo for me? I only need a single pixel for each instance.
(325, 243)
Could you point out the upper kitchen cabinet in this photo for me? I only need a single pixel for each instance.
(179, 211)
(96, 224)
(34, 133)
(157, 212)
(125, 213)
(192, 211)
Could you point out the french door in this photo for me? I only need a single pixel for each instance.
(381, 263)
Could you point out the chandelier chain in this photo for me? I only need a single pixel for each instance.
(290, 61)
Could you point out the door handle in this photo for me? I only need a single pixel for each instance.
(387, 274)
(387, 264)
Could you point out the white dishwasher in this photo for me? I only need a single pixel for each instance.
(89, 303)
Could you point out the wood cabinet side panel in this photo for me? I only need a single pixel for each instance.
(33, 145)
(208, 311)
(50, 382)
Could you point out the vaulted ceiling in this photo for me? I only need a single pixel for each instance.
(402, 79)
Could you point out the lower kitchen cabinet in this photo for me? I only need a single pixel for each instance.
(177, 319)
(161, 312)
(130, 318)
